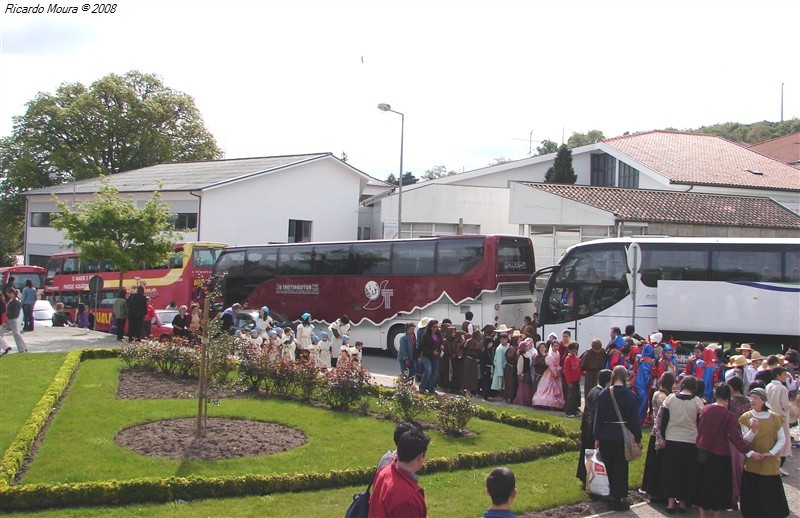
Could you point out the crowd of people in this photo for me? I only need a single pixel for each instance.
(720, 431)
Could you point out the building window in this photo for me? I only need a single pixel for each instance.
(40, 219)
(628, 176)
(185, 221)
(602, 172)
(299, 231)
(364, 233)
(415, 230)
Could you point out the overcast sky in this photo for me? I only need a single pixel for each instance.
(474, 79)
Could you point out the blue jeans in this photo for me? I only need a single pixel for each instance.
(431, 366)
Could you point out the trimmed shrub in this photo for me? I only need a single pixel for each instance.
(344, 386)
(453, 414)
(404, 402)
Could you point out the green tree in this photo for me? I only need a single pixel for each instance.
(118, 123)
(562, 171)
(112, 227)
(437, 171)
(750, 133)
(546, 147)
(584, 139)
(408, 179)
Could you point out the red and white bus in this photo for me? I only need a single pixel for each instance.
(71, 280)
(21, 274)
(382, 284)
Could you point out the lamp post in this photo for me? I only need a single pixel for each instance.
(386, 108)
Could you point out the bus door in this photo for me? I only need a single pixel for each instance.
(632, 277)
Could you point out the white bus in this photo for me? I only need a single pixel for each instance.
(704, 289)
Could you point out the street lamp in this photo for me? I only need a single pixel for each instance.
(386, 108)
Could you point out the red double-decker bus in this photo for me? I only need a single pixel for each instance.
(380, 284)
(72, 280)
(21, 274)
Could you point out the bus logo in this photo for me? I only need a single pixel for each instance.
(378, 295)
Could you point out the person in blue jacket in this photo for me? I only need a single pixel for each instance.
(644, 378)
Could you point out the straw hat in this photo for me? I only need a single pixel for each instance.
(756, 356)
(737, 360)
(423, 322)
(502, 329)
(713, 346)
(745, 347)
(781, 359)
(516, 333)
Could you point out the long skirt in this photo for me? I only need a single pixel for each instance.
(679, 463)
(524, 395)
(737, 466)
(510, 383)
(470, 374)
(549, 393)
(651, 479)
(714, 492)
(763, 496)
(587, 443)
(613, 453)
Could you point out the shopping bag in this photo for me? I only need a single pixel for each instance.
(596, 476)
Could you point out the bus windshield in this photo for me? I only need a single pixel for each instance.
(588, 281)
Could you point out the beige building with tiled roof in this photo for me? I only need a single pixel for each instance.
(741, 193)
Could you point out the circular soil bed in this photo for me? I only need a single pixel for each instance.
(225, 439)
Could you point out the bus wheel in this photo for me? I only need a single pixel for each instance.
(393, 341)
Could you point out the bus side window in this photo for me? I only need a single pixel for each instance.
(70, 265)
(108, 266)
(88, 266)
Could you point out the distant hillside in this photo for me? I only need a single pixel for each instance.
(750, 133)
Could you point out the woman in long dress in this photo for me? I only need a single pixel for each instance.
(549, 393)
(651, 479)
(762, 489)
(538, 366)
(523, 369)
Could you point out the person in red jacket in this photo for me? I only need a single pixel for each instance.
(572, 377)
(396, 492)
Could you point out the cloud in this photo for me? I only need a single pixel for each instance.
(45, 38)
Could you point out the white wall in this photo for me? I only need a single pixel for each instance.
(484, 206)
(258, 210)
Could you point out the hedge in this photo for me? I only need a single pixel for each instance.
(158, 490)
(21, 446)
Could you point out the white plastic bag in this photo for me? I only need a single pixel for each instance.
(596, 476)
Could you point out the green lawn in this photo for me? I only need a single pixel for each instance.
(79, 445)
(23, 380)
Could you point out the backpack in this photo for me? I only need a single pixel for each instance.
(360, 506)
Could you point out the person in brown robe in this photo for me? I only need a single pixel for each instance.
(510, 372)
(593, 361)
(448, 377)
(470, 374)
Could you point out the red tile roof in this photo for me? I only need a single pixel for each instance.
(784, 149)
(679, 207)
(690, 158)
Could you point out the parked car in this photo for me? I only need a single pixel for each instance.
(163, 331)
(42, 314)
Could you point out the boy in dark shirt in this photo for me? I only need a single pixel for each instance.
(501, 486)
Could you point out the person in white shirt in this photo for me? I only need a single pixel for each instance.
(264, 321)
(338, 329)
(778, 400)
(305, 331)
(324, 350)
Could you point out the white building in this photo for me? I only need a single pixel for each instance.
(240, 201)
(736, 182)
